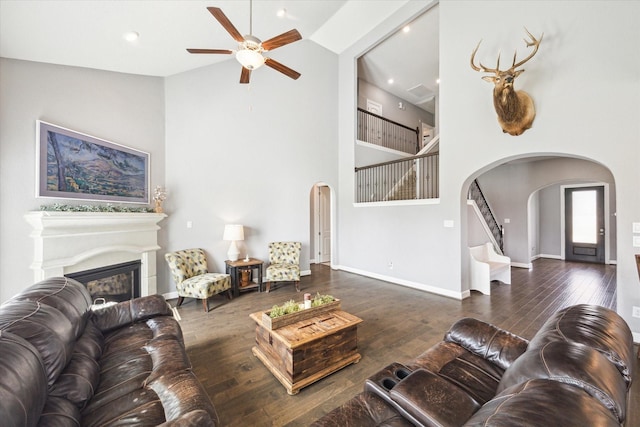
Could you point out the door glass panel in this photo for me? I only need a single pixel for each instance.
(584, 216)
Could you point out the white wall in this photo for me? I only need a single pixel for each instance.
(581, 110)
(550, 227)
(122, 108)
(248, 154)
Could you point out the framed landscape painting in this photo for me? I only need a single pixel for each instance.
(72, 165)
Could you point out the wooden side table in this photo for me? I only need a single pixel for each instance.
(234, 268)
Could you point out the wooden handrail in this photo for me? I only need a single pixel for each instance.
(387, 120)
(391, 162)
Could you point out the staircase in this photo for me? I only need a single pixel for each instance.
(495, 230)
(406, 188)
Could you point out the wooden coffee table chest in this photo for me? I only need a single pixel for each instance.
(303, 352)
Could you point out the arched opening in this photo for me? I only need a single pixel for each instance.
(526, 196)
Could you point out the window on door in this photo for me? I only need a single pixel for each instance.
(585, 216)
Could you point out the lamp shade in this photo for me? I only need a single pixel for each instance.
(250, 59)
(233, 232)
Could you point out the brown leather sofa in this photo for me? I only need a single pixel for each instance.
(63, 364)
(576, 371)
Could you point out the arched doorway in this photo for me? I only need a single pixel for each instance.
(525, 195)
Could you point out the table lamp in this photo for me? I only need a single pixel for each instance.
(233, 232)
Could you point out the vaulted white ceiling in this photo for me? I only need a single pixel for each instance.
(89, 33)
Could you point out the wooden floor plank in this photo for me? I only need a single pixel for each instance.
(398, 324)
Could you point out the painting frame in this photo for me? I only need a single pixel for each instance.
(93, 169)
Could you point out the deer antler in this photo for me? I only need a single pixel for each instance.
(533, 42)
(482, 68)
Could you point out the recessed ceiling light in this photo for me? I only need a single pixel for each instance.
(438, 81)
(406, 29)
(131, 36)
(390, 81)
(281, 13)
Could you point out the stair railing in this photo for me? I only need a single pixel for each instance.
(476, 194)
(378, 130)
(415, 177)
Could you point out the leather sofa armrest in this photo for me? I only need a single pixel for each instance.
(127, 312)
(432, 400)
(487, 341)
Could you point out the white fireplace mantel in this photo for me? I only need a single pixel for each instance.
(68, 242)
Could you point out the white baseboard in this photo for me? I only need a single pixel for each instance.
(560, 257)
(407, 283)
(521, 265)
(170, 295)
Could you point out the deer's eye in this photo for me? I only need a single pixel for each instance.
(509, 79)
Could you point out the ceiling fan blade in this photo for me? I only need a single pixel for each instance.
(223, 51)
(281, 40)
(282, 68)
(224, 21)
(245, 74)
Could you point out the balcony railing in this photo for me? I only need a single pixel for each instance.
(377, 130)
(412, 178)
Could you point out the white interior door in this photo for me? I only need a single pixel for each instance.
(324, 212)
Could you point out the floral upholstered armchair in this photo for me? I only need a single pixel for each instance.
(193, 280)
(284, 259)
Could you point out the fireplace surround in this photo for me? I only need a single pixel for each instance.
(71, 242)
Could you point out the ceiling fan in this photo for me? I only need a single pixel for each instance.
(250, 48)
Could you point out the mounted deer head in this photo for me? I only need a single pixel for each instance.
(514, 107)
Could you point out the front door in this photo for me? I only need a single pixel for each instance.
(584, 227)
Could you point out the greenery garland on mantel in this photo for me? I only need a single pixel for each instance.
(60, 207)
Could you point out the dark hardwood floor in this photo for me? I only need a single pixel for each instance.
(398, 324)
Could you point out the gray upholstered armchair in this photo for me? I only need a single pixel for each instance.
(284, 259)
(193, 280)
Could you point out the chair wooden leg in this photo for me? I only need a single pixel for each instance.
(297, 286)
(180, 301)
(205, 304)
(268, 287)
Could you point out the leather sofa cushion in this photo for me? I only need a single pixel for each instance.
(474, 374)
(68, 296)
(576, 364)
(91, 342)
(594, 326)
(487, 341)
(47, 329)
(140, 407)
(363, 410)
(432, 400)
(542, 402)
(180, 393)
(78, 381)
(167, 355)
(23, 389)
(60, 412)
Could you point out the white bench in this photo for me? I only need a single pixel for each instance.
(486, 265)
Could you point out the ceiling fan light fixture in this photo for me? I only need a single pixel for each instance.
(250, 59)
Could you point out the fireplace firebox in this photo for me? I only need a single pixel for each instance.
(114, 283)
